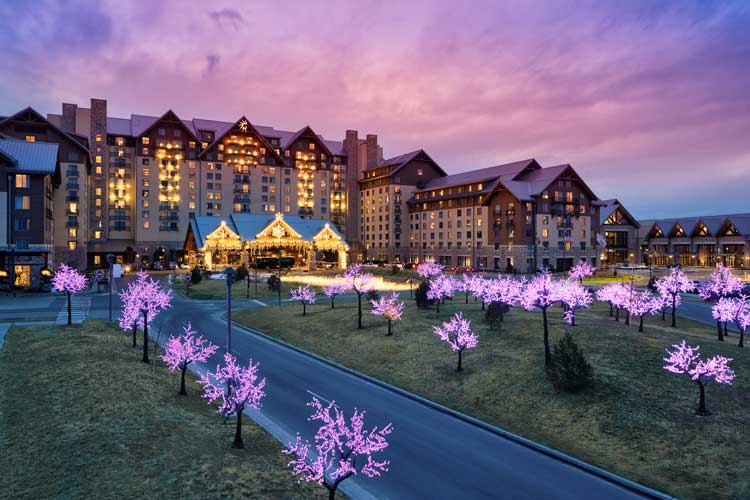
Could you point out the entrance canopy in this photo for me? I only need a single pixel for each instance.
(241, 235)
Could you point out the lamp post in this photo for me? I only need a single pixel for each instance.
(256, 254)
(279, 275)
(12, 268)
(110, 261)
(229, 274)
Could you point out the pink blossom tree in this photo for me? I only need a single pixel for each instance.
(130, 313)
(148, 298)
(685, 359)
(185, 349)
(361, 283)
(441, 288)
(734, 310)
(672, 285)
(304, 295)
(574, 296)
(67, 279)
(721, 283)
(505, 291)
(428, 270)
(238, 388)
(342, 449)
(608, 294)
(540, 293)
(333, 290)
(642, 304)
(466, 285)
(457, 333)
(388, 307)
(581, 270)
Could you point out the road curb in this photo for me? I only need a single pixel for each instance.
(596, 471)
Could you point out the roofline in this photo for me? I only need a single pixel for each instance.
(250, 124)
(150, 127)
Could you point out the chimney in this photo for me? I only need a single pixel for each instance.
(372, 150)
(68, 123)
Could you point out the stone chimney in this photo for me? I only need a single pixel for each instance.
(372, 150)
(68, 122)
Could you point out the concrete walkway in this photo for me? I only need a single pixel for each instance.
(4, 327)
(80, 307)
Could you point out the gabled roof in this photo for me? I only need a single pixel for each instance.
(223, 131)
(507, 170)
(54, 127)
(398, 162)
(31, 157)
(714, 223)
(286, 142)
(150, 123)
(611, 206)
(249, 225)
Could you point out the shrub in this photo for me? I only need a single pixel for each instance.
(195, 276)
(495, 313)
(420, 295)
(242, 273)
(570, 370)
(372, 295)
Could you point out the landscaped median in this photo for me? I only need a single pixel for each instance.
(82, 417)
(637, 420)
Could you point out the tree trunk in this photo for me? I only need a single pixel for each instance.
(467, 297)
(183, 392)
(719, 331)
(726, 331)
(332, 306)
(482, 304)
(742, 338)
(135, 330)
(640, 324)
(389, 328)
(663, 314)
(617, 314)
(70, 310)
(238, 443)
(627, 317)
(359, 310)
(674, 311)
(702, 403)
(437, 303)
(610, 309)
(547, 355)
(304, 309)
(145, 337)
(459, 368)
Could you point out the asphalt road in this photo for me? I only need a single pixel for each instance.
(433, 455)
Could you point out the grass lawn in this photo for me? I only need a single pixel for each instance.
(638, 420)
(209, 289)
(82, 417)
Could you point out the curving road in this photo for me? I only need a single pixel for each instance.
(434, 455)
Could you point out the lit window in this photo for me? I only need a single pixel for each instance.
(23, 202)
(120, 141)
(97, 235)
(97, 259)
(145, 224)
(72, 232)
(98, 191)
(98, 170)
(30, 138)
(73, 208)
(22, 180)
(72, 245)
(312, 146)
(419, 171)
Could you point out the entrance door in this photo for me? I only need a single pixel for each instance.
(23, 276)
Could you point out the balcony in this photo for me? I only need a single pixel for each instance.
(169, 218)
(72, 185)
(71, 223)
(72, 173)
(71, 197)
(123, 218)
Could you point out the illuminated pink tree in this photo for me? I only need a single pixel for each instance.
(333, 290)
(581, 270)
(574, 296)
(734, 310)
(388, 307)
(130, 313)
(540, 293)
(608, 294)
(67, 279)
(505, 291)
(671, 286)
(642, 304)
(457, 333)
(304, 295)
(150, 299)
(238, 388)
(466, 285)
(361, 283)
(721, 283)
(185, 349)
(429, 270)
(685, 359)
(342, 449)
(441, 288)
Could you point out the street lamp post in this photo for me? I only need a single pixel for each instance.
(12, 268)
(229, 273)
(279, 276)
(110, 261)
(256, 254)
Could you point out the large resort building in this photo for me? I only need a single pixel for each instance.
(82, 184)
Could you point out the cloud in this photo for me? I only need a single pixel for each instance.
(232, 17)
(647, 100)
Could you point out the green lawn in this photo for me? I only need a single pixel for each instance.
(209, 289)
(82, 417)
(637, 420)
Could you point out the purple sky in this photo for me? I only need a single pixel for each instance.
(649, 101)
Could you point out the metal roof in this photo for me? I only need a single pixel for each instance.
(32, 157)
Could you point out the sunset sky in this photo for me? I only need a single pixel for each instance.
(649, 101)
